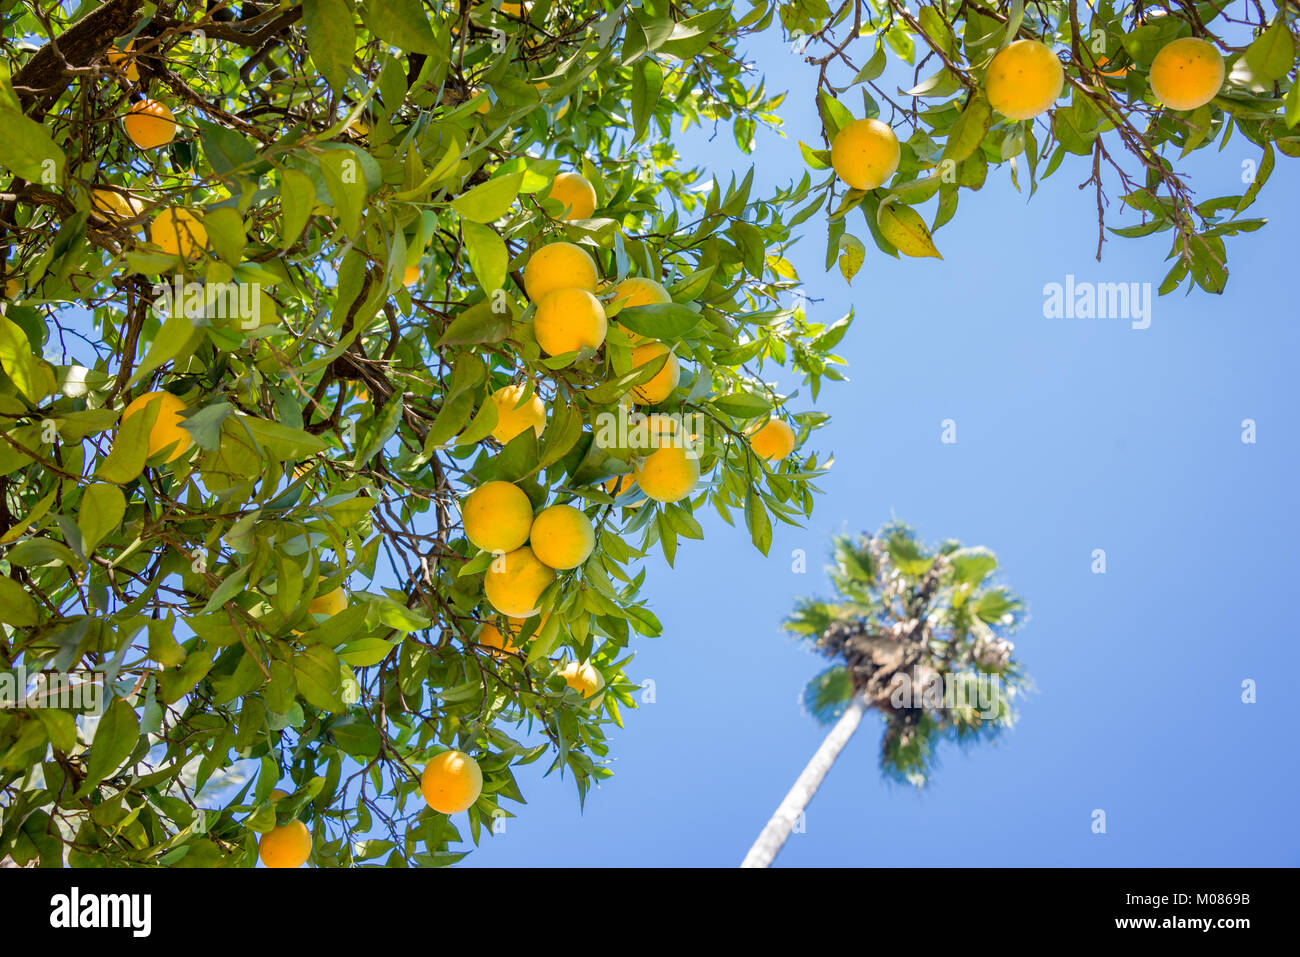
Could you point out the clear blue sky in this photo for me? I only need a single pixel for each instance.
(1072, 435)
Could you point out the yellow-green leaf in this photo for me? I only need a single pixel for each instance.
(906, 230)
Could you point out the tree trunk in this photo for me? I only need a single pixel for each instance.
(773, 836)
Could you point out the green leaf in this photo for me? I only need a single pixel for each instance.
(115, 739)
(403, 23)
(173, 338)
(874, 66)
(281, 441)
(1293, 105)
(397, 616)
(316, 673)
(60, 727)
(226, 233)
(691, 285)
(827, 695)
(381, 430)
(647, 84)
(226, 150)
(562, 433)
(29, 373)
(27, 150)
(357, 735)
(835, 115)
(742, 405)
(1272, 53)
(16, 606)
(297, 197)
(475, 324)
(758, 522)
(365, 652)
(816, 159)
(346, 183)
(489, 201)
(100, 513)
(130, 449)
(660, 320)
(487, 254)
(691, 36)
(331, 38)
(970, 566)
(968, 132)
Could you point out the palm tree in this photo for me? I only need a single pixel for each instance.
(921, 636)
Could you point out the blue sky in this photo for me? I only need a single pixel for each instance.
(1072, 435)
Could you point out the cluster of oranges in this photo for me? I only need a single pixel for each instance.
(450, 783)
(150, 125)
(569, 318)
(529, 546)
(1024, 79)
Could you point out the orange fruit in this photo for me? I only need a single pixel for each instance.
(865, 153)
(568, 320)
(513, 418)
(1186, 73)
(773, 440)
(149, 124)
(575, 194)
(562, 537)
(583, 678)
(178, 232)
(451, 782)
(660, 385)
(285, 846)
(116, 59)
(514, 583)
(1024, 79)
(559, 266)
(667, 474)
(167, 428)
(497, 516)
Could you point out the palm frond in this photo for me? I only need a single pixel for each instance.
(827, 695)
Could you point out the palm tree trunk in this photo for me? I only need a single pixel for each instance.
(773, 836)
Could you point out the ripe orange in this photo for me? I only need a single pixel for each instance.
(116, 59)
(1187, 73)
(491, 637)
(513, 418)
(451, 782)
(178, 232)
(167, 429)
(562, 537)
(620, 484)
(559, 266)
(285, 846)
(149, 124)
(865, 153)
(117, 205)
(328, 604)
(583, 678)
(575, 194)
(773, 440)
(667, 474)
(659, 386)
(1024, 79)
(568, 320)
(514, 583)
(497, 516)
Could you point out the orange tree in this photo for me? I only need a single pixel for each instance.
(286, 282)
(1119, 93)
